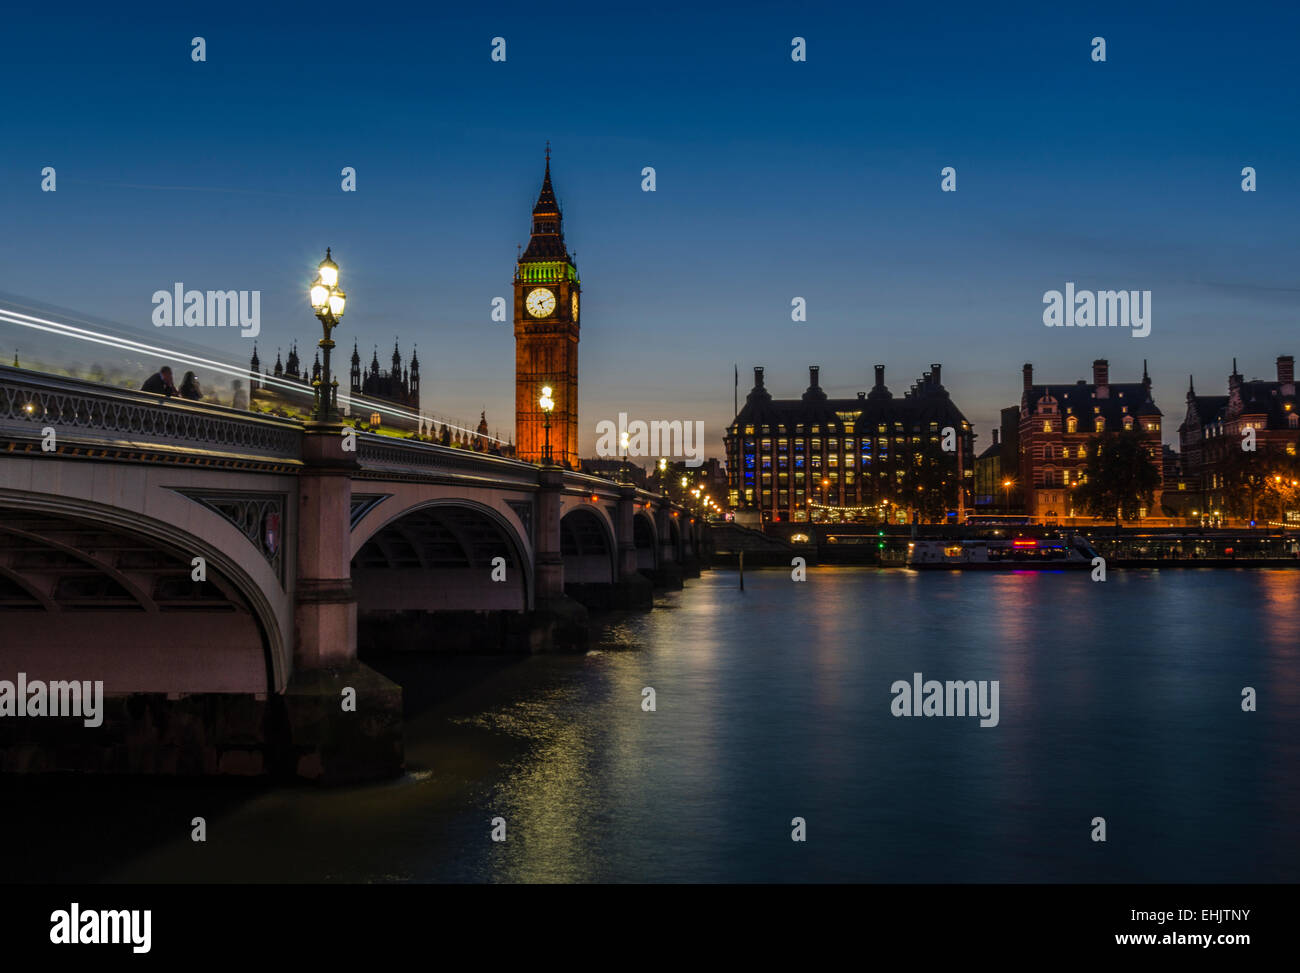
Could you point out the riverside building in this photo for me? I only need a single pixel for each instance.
(870, 458)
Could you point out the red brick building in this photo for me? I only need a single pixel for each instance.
(1216, 424)
(1056, 422)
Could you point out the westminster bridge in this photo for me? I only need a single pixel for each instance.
(219, 571)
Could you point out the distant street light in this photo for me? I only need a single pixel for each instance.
(328, 301)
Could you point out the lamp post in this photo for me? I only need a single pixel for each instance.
(663, 466)
(623, 443)
(328, 301)
(547, 403)
(1006, 493)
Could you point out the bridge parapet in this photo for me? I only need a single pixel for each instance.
(404, 456)
(79, 410)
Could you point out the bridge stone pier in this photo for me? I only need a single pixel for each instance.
(226, 575)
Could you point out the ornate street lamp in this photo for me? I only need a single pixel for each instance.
(548, 404)
(328, 301)
(623, 444)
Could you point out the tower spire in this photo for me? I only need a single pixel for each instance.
(547, 241)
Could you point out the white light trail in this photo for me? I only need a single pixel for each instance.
(63, 329)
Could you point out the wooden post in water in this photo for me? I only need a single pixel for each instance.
(742, 569)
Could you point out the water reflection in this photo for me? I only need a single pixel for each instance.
(1120, 699)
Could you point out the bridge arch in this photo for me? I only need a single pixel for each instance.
(78, 578)
(588, 547)
(647, 544)
(437, 555)
(675, 539)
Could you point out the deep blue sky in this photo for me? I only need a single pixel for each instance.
(775, 179)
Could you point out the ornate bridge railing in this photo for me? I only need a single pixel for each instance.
(384, 454)
(31, 401)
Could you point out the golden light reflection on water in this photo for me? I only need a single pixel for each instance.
(1097, 683)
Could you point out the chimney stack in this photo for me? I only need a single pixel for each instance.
(1029, 376)
(813, 371)
(1101, 377)
(758, 376)
(880, 376)
(934, 370)
(995, 436)
(1286, 373)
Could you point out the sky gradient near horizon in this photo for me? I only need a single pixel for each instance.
(775, 179)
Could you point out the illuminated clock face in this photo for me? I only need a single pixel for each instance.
(575, 305)
(540, 302)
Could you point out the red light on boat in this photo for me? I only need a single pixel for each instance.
(1019, 543)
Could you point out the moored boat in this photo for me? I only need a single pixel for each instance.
(1008, 553)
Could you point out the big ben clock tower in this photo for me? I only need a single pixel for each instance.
(546, 336)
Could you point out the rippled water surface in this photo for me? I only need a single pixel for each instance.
(1120, 700)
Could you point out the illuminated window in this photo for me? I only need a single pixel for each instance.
(1071, 424)
(1047, 425)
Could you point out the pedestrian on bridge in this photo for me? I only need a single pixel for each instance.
(160, 382)
(190, 387)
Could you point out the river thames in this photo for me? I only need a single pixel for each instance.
(1120, 700)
